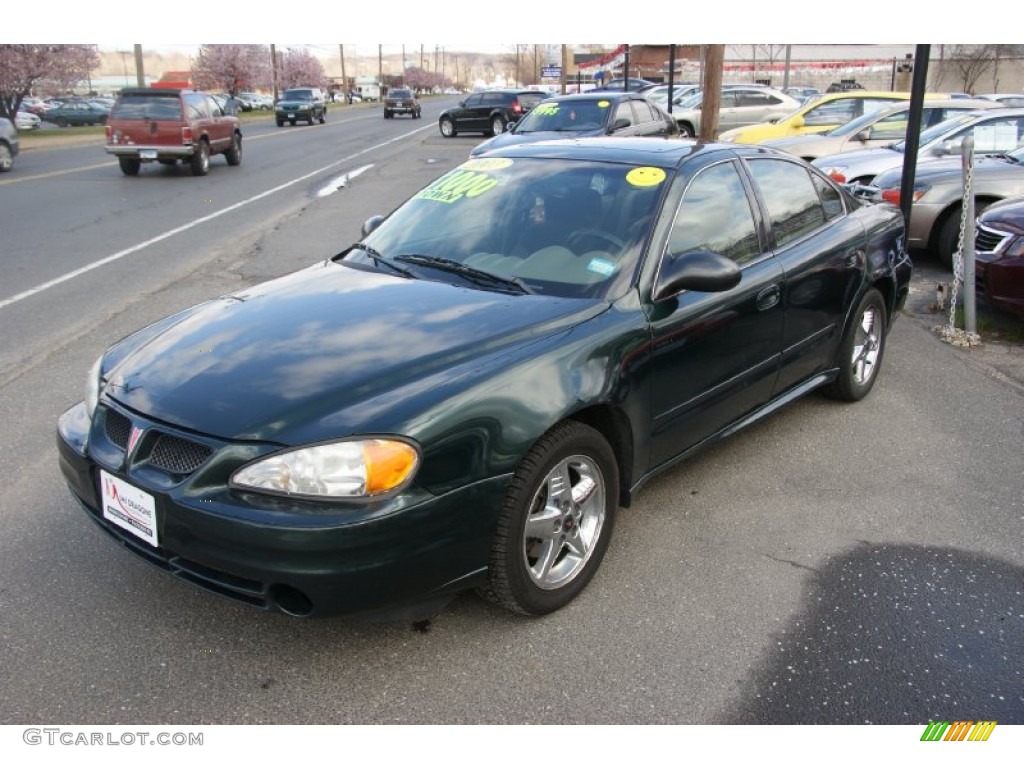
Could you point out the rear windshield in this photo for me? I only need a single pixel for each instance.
(530, 100)
(154, 107)
(399, 94)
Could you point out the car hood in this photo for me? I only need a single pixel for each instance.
(511, 139)
(262, 363)
(949, 169)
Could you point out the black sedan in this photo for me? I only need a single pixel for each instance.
(581, 115)
(464, 398)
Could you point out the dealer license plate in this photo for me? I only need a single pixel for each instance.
(128, 507)
(148, 154)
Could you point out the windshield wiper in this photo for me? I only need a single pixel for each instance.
(374, 254)
(470, 273)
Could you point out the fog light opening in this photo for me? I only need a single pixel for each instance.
(290, 600)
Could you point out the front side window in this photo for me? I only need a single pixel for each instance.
(715, 216)
(793, 201)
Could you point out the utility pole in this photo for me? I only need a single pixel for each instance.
(140, 74)
(273, 69)
(712, 87)
(565, 68)
(344, 79)
(380, 68)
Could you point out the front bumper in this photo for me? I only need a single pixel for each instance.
(297, 557)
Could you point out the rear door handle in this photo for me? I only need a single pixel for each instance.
(769, 297)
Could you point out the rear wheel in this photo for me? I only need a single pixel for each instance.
(555, 522)
(497, 125)
(62, 122)
(860, 353)
(6, 158)
(280, 123)
(686, 130)
(129, 165)
(200, 160)
(323, 117)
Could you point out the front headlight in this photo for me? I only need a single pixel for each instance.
(349, 469)
(93, 387)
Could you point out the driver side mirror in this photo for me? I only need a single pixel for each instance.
(372, 223)
(863, 135)
(798, 122)
(696, 271)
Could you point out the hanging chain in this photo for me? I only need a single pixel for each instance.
(950, 332)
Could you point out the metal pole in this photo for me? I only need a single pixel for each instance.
(967, 246)
(785, 79)
(913, 140)
(140, 74)
(671, 74)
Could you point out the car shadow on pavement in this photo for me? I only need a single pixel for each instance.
(895, 634)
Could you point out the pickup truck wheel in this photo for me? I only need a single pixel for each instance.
(200, 160)
(129, 165)
(234, 154)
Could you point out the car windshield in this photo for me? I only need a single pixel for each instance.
(938, 131)
(568, 116)
(571, 229)
(300, 95)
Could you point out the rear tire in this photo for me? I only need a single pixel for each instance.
(860, 353)
(497, 125)
(200, 160)
(129, 165)
(447, 127)
(6, 158)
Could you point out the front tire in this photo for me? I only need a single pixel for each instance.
(447, 127)
(234, 154)
(200, 160)
(686, 130)
(860, 353)
(556, 521)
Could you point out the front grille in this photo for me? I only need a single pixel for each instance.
(177, 455)
(118, 427)
(988, 240)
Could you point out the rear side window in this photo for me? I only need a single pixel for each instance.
(793, 201)
(531, 100)
(147, 108)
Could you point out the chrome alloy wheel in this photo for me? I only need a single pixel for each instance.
(866, 346)
(564, 523)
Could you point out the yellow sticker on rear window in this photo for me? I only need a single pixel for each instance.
(645, 177)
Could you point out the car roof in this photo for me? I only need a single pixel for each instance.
(591, 95)
(629, 150)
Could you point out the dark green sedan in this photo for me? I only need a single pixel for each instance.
(464, 398)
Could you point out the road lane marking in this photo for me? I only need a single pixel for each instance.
(196, 222)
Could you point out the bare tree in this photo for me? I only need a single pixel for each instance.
(24, 68)
(232, 68)
(969, 63)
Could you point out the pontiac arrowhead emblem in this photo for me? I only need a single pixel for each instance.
(133, 438)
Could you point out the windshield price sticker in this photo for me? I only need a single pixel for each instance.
(546, 109)
(460, 183)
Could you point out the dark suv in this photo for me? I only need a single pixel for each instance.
(166, 125)
(488, 112)
(307, 104)
(401, 101)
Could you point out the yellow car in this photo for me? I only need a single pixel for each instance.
(818, 115)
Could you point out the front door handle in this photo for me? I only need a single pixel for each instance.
(769, 297)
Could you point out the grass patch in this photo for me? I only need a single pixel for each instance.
(993, 324)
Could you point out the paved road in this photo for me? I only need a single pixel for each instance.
(833, 564)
